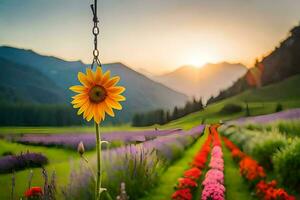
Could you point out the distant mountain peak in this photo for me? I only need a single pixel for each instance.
(205, 81)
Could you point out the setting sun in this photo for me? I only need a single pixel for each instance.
(196, 61)
(200, 59)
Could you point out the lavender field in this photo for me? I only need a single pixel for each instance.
(71, 140)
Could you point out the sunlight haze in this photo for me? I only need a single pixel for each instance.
(157, 36)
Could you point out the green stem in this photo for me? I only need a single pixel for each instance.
(98, 147)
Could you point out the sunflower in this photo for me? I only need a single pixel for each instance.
(98, 95)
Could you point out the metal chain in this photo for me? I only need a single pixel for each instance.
(95, 32)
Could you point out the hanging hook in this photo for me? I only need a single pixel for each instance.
(95, 32)
(94, 10)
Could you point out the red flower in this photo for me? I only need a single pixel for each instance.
(182, 194)
(250, 169)
(201, 156)
(214, 132)
(186, 183)
(193, 173)
(267, 191)
(33, 192)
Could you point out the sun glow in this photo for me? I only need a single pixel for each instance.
(196, 62)
(200, 59)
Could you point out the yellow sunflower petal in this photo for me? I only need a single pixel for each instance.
(116, 90)
(105, 77)
(79, 99)
(117, 97)
(90, 75)
(113, 81)
(77, 96)
(91, 113)
(98, 75)
(81, 96)
(87, 111)
(80, 104)
(108, 109)
(97, 117)
(113, 104)
(78, 88)
(83, 108)
(100, 111)
(84, 80)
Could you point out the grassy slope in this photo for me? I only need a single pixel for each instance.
(261, 101)
(168, 180)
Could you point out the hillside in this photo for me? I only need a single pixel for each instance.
(142, 93)
(284, 61)
(261, 101)
(202, 82)
(17, 85)
(281, 63)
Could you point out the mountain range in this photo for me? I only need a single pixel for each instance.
(30, 78)
(202, 82)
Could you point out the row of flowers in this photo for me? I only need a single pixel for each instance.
(213, 184)
(189, 182)
(255, 175)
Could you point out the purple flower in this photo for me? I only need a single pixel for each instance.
(22, 161)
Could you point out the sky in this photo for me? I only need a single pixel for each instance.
(154, 35)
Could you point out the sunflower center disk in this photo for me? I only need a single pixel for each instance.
(97, 94)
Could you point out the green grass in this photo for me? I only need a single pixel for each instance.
(59, 160)
(236, 187)
(69, 129)
(168, 180)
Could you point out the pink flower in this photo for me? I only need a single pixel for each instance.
(217, 163)
(214, 191)
(212, 176)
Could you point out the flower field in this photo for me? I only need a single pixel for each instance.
(71, 141)
(140, 165)
(218, 156)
